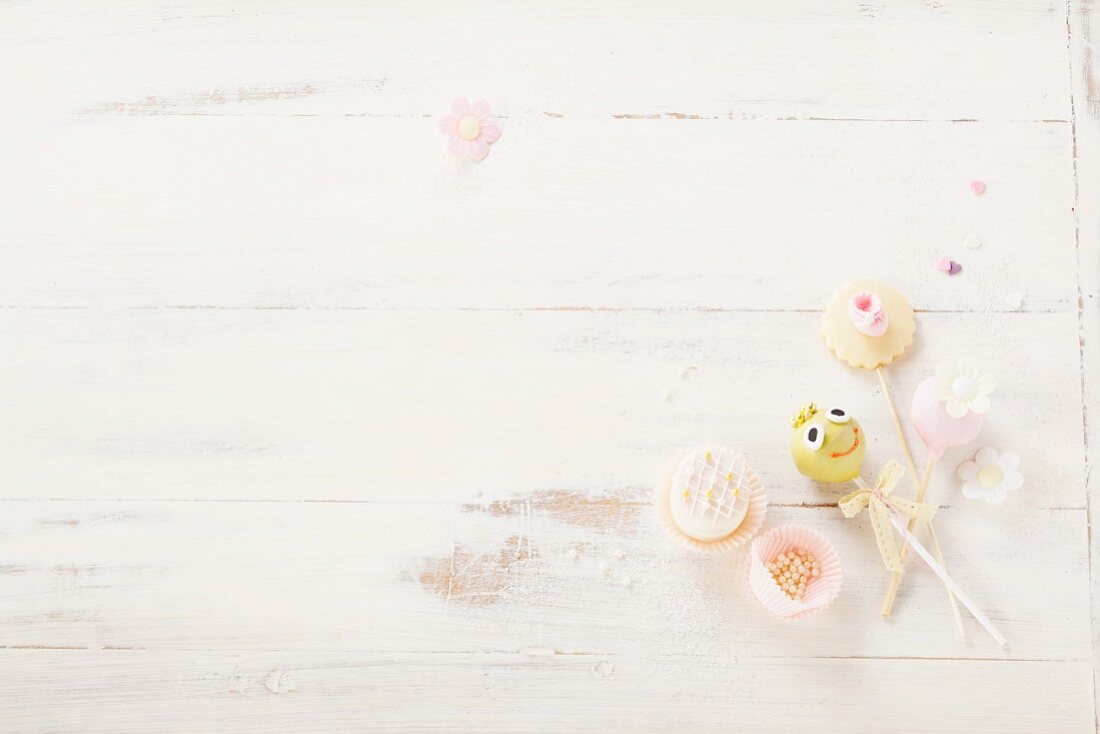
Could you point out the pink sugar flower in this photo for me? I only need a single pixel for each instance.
(471, 128)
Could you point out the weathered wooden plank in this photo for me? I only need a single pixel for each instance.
(882, 59)
(480, 406)
(565, 213)
(267, 692)
(424, 577)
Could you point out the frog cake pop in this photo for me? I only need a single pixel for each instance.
(827, 445)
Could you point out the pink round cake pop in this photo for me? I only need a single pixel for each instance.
(939, 430)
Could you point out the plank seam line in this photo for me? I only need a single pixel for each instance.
(1081, 345)
(433, 503)
(625, 117)
(503, 309)
(510, 653)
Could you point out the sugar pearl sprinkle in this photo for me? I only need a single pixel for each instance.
(793, 570)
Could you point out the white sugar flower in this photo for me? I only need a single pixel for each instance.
(991, 475)
(963, 387)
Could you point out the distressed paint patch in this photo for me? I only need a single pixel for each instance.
(153, 104)
(666, 115)
(1092, 84)
(477, 579)
(74, 569)
(618, 510)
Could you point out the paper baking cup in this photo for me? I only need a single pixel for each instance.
(820, 592)
(754, 516)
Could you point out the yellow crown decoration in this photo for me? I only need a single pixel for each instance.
(804, 414)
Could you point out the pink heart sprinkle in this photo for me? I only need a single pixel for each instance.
(978, 187)
(944, 265)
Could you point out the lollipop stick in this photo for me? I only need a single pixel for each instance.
(950, 597)
(896, 519)
(947, 580)
(895, 578)
(897, 424)
(922, 487)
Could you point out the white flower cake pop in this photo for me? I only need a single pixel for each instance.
(948, 409)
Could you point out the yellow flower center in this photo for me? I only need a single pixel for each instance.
(964, 388)
(468, 127)
(990, 476)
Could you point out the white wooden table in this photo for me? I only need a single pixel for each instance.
(307, 426)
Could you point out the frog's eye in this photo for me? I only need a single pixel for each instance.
(814, 438)
(838, 415)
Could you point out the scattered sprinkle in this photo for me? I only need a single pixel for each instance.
(978, 187)
(973, 241)
(602, 670)
(666, 395)
(627, 581)
(1014, 300)
(620, 553)
(686, 372)
(605, 568)
(949, 266)
(573, 554)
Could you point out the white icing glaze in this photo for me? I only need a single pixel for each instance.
(721, 472)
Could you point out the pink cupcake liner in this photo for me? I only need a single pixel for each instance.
(820, 592)
(754, 517)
